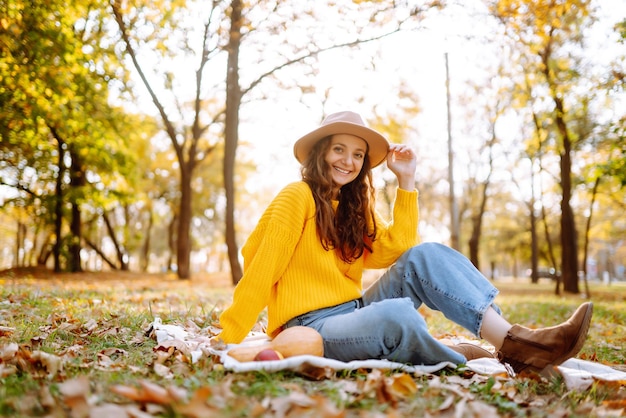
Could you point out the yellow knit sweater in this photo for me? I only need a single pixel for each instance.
(287, 270)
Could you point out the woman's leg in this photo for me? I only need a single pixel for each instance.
(441, 278)
(389, 326)
(389, 329)
(494, 328)
(445, 280)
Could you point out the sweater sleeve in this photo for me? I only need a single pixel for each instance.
(397, 236)
(266, 254)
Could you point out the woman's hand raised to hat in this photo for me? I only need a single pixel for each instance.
(402, 162)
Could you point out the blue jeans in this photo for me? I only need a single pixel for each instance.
(385, 323)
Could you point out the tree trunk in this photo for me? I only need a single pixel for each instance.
(58, 204)
(473, 242)
(534, 239)
(145, 251)
(477, 223)
(32, 254)
(19, 244)
(77, 181)
(569, 246)
(171, 241)
(477, 219)
(594, 193)
(183, 247)
(455, 230)
(233, 102)
(74, 260)
(534, 257)
(44, 252)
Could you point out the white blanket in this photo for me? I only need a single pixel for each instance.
(577, 374)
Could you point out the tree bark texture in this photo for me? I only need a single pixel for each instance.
(233, 101)
(569, 247)
(58, 204)
(77, 182)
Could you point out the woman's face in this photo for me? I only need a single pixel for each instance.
(345, 158)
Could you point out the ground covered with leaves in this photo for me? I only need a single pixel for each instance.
(81, 346)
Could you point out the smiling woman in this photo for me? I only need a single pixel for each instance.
(305, 259)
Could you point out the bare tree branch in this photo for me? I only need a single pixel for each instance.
(100, 253)
(169, 127)
(315, 53)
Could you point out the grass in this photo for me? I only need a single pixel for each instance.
(97, 325)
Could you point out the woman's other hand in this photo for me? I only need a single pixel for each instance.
(402, 162)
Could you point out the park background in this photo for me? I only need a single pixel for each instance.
(141, 141)
(150, 136)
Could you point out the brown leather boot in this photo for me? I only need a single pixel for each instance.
(536, 349)
(471, 351)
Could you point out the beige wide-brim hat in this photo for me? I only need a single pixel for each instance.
(344, 123)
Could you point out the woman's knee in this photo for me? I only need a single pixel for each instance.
(396, 315)
(428, 249)
(419, 255)
(432, 254)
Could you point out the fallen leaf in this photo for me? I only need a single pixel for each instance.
(75, 387)
(53, 364)
(7, 352)
(113, 351)
(45, 397)
(6, 331)
(90, 325)
(72, 350)
(157, 393)
(447, 403)
(129, 392)
(198, 406)
(148, 392)
(169, 345)
(178, 394)
(163, 371)
(281, 406)
(482, 410)
(162, 356)
(7, 370)
(75, 394)
(619, 404)
(401, 386)
(137, 412)
(109, 410)
(104, 362)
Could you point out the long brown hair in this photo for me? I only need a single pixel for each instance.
(345, 230)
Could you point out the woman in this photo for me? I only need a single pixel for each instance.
(304, 262)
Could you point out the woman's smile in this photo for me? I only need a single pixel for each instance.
(342, 170)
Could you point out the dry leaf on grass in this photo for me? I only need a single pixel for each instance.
(198, 407)
(50, 362)
(75, 394)
(8, 352)
(298, 404)
(148, 392)
(6, 331)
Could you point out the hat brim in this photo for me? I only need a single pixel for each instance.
(378, 146)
